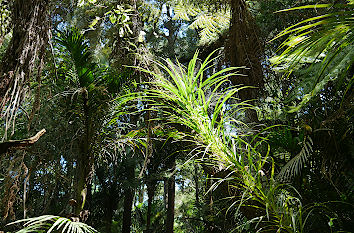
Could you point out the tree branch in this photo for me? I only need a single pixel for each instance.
(17, 144)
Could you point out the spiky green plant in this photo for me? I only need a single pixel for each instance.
(51, 223)
(204, 104)
(191, 98)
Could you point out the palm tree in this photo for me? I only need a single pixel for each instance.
(89, 92)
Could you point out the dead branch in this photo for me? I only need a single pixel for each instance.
(18, 144)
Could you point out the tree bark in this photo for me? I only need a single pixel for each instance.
(30, 21)
(172, 34)
(108, 218)
(5, 146)
(171, 198)
(127, 213)
(196, 180)
(128, 201)
(151, 193)
(245, 49)
(85, 160)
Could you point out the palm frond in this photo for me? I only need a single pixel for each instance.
(77, 65)
(83, 70)
(321, 48)
(51, 223)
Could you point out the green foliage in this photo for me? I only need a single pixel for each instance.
(264, 178)
(78, 69)
(120, 17)
(191, 98)
(3, 45)
(81, 70)
(209, 23)
(321, 47)
(81, 3)
(5, 18)
(292, 149)
(294, 166)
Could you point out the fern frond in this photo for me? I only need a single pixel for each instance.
(185, 11)
(209, 23)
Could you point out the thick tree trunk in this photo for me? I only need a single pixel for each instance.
(120, 54)
(172, 35)
(148, 214)
(245, 49)
(84, 176)
(30, 35)
(171, 198)
(171, 39)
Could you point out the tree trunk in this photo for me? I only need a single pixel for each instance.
(127, 213)
(171, 198)
(128, 200)
(171, 39)
(30, 20)
(120, 54)
(148, 214)
(172, 34)
(165, 185)
(108, 217)
(245, 49)
(85, 161)
(151, 194)
(196, 180)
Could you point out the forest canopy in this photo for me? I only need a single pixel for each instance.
(154, 116)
